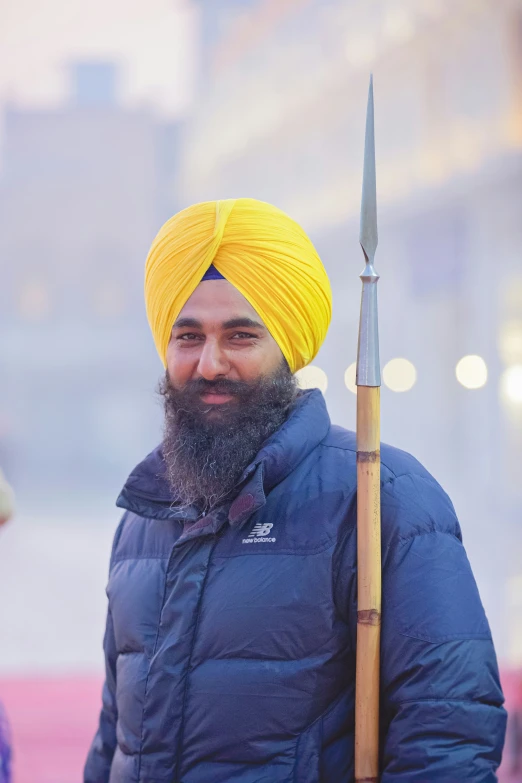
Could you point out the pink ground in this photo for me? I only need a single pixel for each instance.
(53, 721)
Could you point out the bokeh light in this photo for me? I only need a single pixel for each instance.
(511, 384)
(399, 375)
(312, 377)
(510, 342)
(472, 371)
(349, 378)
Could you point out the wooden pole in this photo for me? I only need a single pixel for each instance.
(368, 585)
(368, 485)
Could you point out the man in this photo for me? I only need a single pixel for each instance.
(230, 641)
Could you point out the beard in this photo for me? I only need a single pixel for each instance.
(207, 447)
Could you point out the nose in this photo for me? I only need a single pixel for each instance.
(212, 361)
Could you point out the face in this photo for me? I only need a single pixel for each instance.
(227, 389)
(219, 336)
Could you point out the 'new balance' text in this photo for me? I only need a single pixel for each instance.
(260, 534)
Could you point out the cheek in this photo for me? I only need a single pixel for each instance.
(178, 367)
(260, 361)
(274, 355)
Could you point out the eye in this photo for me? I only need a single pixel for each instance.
(188, 336)
(244, 336)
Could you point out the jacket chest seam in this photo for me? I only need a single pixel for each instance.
(189, 662)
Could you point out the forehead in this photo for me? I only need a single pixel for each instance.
(217, 301)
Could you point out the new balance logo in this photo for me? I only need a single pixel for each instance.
(261, 530)
(260, 534)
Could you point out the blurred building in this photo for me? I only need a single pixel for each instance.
(83, 190)
(281, 117)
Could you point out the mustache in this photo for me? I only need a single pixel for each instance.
(218, 386)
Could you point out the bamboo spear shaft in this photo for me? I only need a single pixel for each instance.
(368, 382)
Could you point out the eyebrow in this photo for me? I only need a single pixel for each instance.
(184, 323)
(249, 323)
(233, 323)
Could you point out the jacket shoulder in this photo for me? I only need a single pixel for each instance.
(412, 501)
(394, 461)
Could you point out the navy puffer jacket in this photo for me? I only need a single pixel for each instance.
(230, 641)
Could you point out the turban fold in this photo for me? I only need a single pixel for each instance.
(262, 252)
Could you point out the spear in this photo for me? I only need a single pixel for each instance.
(368, 380)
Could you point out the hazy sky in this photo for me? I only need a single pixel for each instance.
(154, 40)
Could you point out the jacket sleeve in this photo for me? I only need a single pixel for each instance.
(441, 702)
(99, 760)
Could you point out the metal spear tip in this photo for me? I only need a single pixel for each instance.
(368, 232)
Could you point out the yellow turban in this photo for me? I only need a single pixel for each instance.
(261, 252)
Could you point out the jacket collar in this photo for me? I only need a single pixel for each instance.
(146, 491)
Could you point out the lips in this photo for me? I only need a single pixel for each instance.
(213, 398)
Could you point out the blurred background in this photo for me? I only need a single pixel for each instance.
(116, 114)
